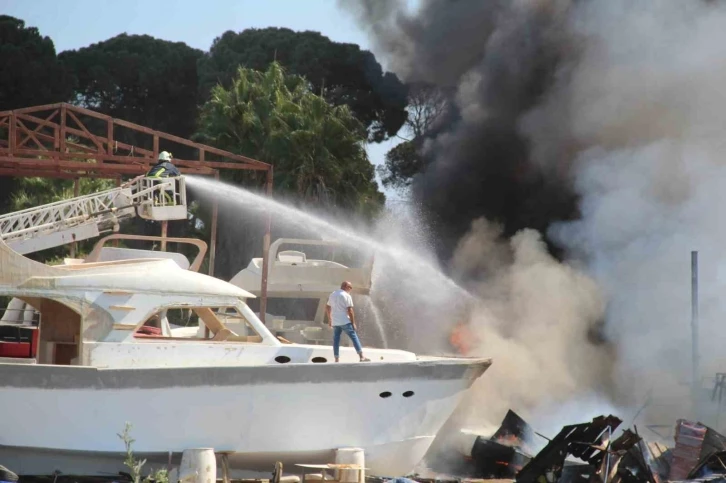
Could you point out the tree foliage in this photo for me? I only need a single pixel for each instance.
(317, 148)
(31, 73)
(317, 144)
(345, 74)
(140, 79)
(32, 192)
(403, 161)
(428, 106)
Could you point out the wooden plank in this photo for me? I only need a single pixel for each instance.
(126, 308)
(209, 319)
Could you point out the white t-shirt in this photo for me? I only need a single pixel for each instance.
(339, 302)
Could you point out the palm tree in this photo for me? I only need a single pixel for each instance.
(317, 149)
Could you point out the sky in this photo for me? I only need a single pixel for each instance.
(78, 23)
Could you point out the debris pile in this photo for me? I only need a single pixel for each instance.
(594, 452)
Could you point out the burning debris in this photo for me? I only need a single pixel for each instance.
(590, 442)
(588, 452)
(506, 452)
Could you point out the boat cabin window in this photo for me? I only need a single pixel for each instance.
(199, 323)
(47, 331)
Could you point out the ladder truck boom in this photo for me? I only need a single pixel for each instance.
(88, 216)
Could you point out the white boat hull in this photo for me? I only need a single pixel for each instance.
(295, 413)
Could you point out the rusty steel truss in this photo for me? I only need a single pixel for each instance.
(66, 141)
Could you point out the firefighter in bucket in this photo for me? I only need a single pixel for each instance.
(164, 169)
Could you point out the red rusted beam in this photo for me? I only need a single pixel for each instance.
(207, 166)
(63, 128)
(44, 123)
(30, 135)
(88, 155)
(53, 138)
(25, 163)
(109, 136)
(45, 107)
(88, 112)
(179, 162)
(11, 134)
(129, 147)
(186, 142)
(90, 136)
(46, 174)
(104, 146)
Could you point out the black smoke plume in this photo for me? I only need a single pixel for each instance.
(499, 58)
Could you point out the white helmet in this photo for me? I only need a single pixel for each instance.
(164, 156)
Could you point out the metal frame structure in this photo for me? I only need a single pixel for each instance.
(66, 141)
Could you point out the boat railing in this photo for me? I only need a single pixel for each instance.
(19, 316)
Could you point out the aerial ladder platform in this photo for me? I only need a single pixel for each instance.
(89, 216)
(85, 217)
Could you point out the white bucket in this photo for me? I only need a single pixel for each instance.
(198, 465)
(350, 456)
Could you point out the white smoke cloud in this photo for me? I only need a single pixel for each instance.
(536, 319)
(646, 110)
(635, 120)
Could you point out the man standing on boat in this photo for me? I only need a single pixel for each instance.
(341, 318)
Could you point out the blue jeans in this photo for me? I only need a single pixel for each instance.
(348, 328)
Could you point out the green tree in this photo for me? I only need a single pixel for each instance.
(403, 162)
(345, 74)
(428, 106)
(138, 78)
(32, 192)
(30, 74)
(316, 148)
